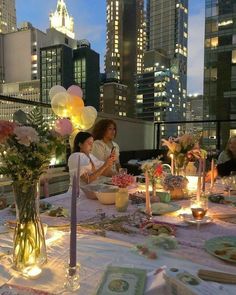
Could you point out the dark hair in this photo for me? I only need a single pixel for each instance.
(80, 138)
(101, 127)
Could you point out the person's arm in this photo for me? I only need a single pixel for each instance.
(103, 170)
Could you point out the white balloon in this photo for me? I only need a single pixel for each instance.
(56, 89)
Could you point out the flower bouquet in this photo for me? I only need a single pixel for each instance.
(26, 148)
(184, 149)
(122, 180)
(176, 184)
(155, 172)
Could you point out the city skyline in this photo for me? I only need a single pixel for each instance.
(90, 23)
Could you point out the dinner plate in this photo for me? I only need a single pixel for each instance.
(162, 208)
(190, 219)
(222, 247)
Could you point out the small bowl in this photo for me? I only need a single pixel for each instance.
(107, 196)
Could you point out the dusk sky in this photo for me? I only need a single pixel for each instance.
(90, 23)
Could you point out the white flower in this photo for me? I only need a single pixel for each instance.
(26, 135)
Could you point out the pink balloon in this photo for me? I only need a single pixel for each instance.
(75, 90)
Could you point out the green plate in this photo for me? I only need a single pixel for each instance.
(162, 208)
(222, 247)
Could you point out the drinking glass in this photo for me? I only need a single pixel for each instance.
(199, 209)
(227, 182)
(233, 178)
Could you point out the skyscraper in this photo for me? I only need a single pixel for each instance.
(86, 72)
(220, 64)
(7, 16)
(61, 21)
(125, 44)
(167, 29)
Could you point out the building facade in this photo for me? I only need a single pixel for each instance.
(113, 98)
(86, 73)
(7, 16)
(125, 42)
(220, 64)
(167, 29)
(158, 97)
(61, 20)
(21, 52)
(56, 68)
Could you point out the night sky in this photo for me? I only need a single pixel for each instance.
(90, 23)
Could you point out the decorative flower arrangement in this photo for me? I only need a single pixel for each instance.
(26, 149)
(122, 180)
(154, 168)
(172, 182)
(184, 149)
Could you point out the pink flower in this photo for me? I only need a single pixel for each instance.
(159, 170)
(122, 180)
(6, 129)
(63, 127)
(26, 135)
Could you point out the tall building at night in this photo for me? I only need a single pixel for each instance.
(7, 16)
(167, 29)
(86, 73)
(125, 43)
(220, 64)
(61, 20)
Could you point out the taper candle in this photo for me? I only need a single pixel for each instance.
(172, 164)
(148, 203)
(203, 173)
(199, 180)
(212, 172)
(73, 221)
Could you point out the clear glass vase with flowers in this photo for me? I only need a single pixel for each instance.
(26, 149)
(183, 150)
(155, 173)
(122, 180)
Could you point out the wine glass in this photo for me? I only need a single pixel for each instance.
(199, 209)
(233, 179)
(227, 182)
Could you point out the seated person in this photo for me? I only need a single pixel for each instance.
(227, 159)
(104, 133)
(90, 167)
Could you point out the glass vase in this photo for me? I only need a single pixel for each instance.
(29, 247)
(122, 199)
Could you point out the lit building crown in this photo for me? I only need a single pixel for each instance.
(61, 21)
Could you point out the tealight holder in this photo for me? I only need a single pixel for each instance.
(72, 282)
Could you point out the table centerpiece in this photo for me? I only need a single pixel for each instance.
(26, 148)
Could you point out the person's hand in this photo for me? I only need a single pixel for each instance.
(109, 161)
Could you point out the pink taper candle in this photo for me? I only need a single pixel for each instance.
(212, 172)
(148, 203)
(203, 173)
(172, 164)
(199, 180)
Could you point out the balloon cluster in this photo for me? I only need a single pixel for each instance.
(69, 104)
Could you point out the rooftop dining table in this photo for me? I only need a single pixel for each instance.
(95, 252)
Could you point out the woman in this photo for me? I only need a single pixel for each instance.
(227, 159)
(104, 133)
(90, 167)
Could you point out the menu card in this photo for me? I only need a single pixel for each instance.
(122, 281)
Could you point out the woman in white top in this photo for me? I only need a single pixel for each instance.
(104, 133)
(90, 167)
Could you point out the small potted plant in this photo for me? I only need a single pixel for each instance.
(176, 185)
